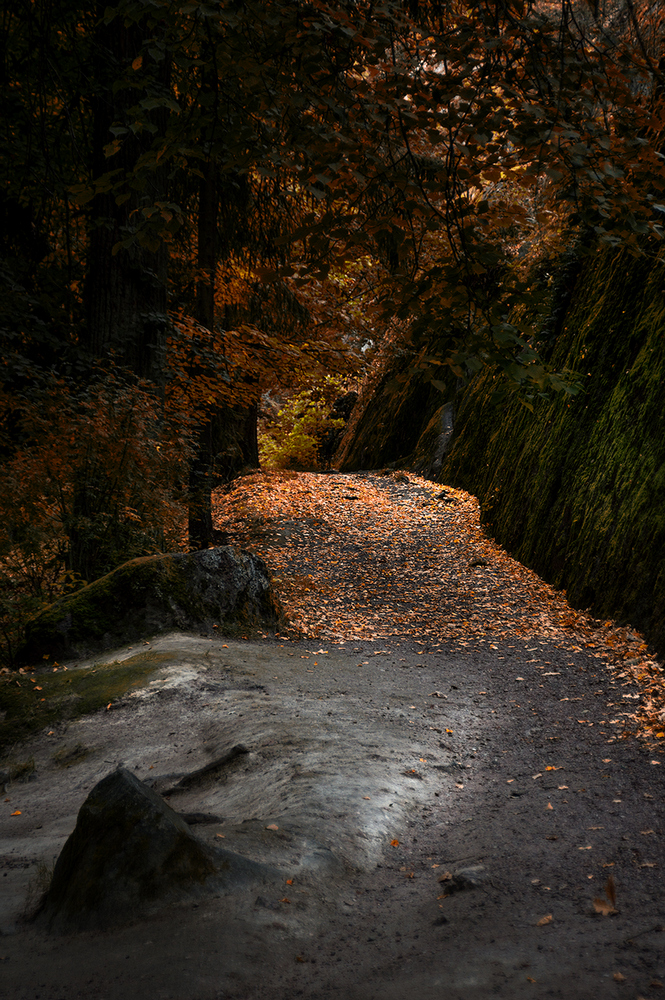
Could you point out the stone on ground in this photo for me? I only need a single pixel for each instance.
(130, 854)
(217, 589)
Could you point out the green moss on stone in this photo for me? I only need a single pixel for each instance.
(68, 694)
(576, 490)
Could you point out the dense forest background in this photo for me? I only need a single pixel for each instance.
(211, 211)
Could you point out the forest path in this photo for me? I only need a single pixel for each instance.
(443, 759)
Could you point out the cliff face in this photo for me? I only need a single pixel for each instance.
(576, 490)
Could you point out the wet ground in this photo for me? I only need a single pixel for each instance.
(443, 816)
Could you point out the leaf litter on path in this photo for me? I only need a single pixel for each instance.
(369, 556)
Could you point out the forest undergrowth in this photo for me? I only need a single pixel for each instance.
(372, 556)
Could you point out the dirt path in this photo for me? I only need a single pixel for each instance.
(446, 756)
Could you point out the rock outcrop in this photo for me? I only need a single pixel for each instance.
(131, 854)
(221, 589)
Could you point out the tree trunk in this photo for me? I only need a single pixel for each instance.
(126, 291)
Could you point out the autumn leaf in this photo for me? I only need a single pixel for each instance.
(545, 920)
(618, 977)
(607, 907)
(394, 843)
(16, 813)
(272, 826)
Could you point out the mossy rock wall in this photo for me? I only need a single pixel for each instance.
(404, 423)
(576, 490)
(219, 589)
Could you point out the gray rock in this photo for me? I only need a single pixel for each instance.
(218, 589)
(131, 854)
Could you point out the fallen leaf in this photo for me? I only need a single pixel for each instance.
(539, 775)
(289, 881)
(366, 796)
(222, 836)
(549, 806)
(16, 813)
(530, 979)
(272, 826)
(618, 978)
(551, 767)
(645, 833)
(604, 907)
(562, 787)
(445, 877)
(545, 920)
(285, 900)
(656, 984)
(588, 847)
(394, 843)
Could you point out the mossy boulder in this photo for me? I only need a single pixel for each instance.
(217, 589)
(130, 854)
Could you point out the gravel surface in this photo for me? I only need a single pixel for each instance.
(449, 799)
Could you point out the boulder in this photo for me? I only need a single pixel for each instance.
(220, 589)
(129, 855)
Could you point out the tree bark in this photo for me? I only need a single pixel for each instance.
(126, 291)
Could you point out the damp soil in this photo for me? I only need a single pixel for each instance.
(428, 807)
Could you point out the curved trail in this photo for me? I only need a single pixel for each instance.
(445, 750)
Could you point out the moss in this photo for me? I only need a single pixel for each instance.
(400, 411)
(576, 490)
(215, 587)
(68, 694)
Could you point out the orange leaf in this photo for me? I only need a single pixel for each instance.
(17, 813)
(272, 826)
(545, 920)
(394, 843)
(604, 907)
(289, 881)
(285, 900)
(618, 977)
